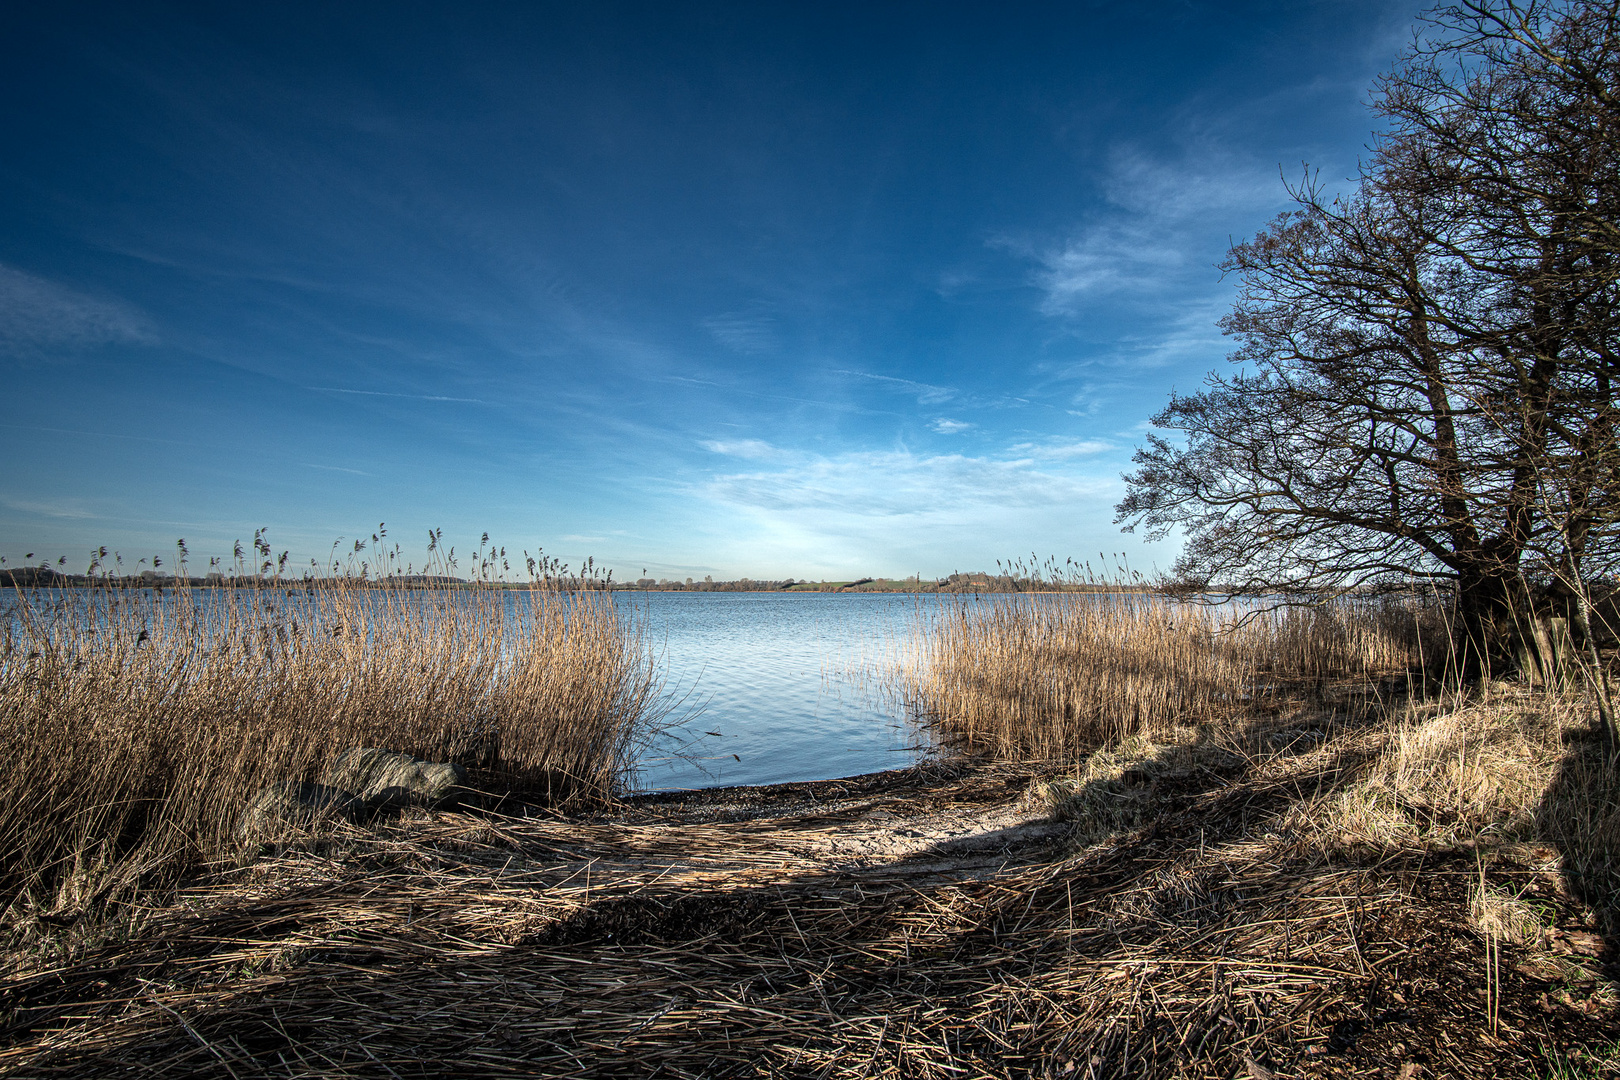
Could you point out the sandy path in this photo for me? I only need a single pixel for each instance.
(965, 821)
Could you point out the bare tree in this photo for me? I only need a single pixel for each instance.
(1426, 364)
(1528, 136)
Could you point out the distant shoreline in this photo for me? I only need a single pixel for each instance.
(37, 578)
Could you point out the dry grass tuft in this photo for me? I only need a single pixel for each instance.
(1443, 775)
(1502, 914)
(138, 724)
(1512, 768)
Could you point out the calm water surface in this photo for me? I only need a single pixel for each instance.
(770, 675)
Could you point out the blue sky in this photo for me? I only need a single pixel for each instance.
(767, 290)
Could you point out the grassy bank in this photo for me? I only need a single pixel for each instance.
(138, 725)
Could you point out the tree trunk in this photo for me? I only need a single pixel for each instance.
(1492, 625)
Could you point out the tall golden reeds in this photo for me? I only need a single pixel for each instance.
(1055, 675)
(137, 724)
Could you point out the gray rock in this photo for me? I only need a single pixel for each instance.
(298, 804)
(385, 780)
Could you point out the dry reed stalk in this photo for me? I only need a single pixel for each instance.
(139, 724)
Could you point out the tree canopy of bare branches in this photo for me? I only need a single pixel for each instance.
(1425, 364)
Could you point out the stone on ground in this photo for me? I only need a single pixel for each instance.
(384, 779)
(296, 803)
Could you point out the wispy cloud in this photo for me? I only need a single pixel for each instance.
(731, 388)
(751, 335)
(1191, 333)
(748, 449)
(335, 468)
(1136, 285)
(946, 426)
(93, 434)
(899, 484)
(1201, 182)
(48, 509)
(927, 393)
(41, 319)
(890, 509)
(382, 393)
(1151, 240)
(1104, 261)
(1060, 450)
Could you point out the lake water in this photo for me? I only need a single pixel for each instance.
(770, 675)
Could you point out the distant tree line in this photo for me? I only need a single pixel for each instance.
(978, 582)
(975, 582)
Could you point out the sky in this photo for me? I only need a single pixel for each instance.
(766, 290)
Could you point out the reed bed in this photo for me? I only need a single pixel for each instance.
(1057, 675)
(138, 724)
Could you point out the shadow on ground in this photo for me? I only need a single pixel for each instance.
(718, 935)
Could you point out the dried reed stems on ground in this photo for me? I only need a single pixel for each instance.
(1212, 940)
(137, 725)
